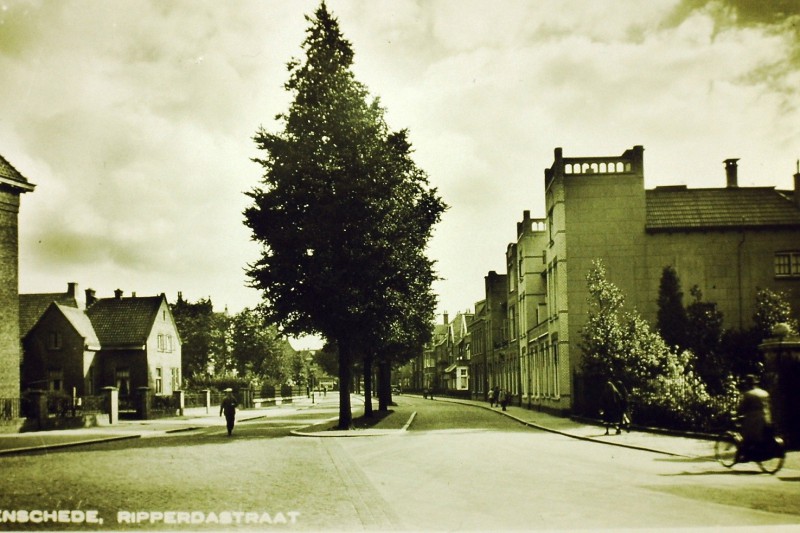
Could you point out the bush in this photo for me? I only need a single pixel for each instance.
(219, 383)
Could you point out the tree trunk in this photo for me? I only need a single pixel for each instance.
(384, 385)
(345, 377)
(368, 385)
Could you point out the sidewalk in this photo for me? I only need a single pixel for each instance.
(649, 439)
(193, 418)
(639, 438)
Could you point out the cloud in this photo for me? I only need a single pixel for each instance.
(135, 119)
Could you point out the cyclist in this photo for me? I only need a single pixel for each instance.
(755, 415)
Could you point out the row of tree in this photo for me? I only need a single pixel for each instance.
(218, 345)
(344, 216)
(685, 372)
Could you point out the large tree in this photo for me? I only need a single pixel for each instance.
(342, 213)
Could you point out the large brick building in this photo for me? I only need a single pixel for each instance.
(728, 241)
(12, 186)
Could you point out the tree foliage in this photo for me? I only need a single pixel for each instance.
(671, 318)
(772, 308)
(259, 351)
(342, 212)
(203, 336)
(620, 345)
(704, 338)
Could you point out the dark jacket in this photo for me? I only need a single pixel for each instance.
(228, 406)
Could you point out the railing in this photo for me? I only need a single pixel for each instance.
(10, 409)
(195, 399)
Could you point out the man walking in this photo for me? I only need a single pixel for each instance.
(228, 406)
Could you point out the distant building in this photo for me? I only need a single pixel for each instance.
(490, 333)
(12, 186)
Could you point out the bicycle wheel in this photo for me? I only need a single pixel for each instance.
(771, 466)
(725, 449)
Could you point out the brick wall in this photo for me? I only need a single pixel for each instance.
(10, 351)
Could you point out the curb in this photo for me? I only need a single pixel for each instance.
(43, 447)
(354, 432)
(564, 433)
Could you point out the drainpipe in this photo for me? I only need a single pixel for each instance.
(739, 275)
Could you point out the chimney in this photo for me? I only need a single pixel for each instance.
(118, 294)
(731, 173)
(446, 318)
(90, 298)
(72, 289)
(797, 186)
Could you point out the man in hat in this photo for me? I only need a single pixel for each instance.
(228, 406)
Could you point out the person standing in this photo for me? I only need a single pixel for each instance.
(228, 407)
(503, 399)
(610, 406)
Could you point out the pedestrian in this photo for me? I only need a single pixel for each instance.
(495, 396)
(228, 406)
(503, 398)
(610, 406)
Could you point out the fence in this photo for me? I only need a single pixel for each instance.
(10, 409)
(162, 406)
(678, 405)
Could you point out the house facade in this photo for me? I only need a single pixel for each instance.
(126, 342)
(728, 241)
(12, 186)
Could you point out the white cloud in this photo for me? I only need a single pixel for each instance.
(135, 120)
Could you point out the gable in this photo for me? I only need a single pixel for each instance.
(81, 323)
(33, 306)
(59, 318)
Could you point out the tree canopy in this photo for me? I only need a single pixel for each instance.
(342, 211)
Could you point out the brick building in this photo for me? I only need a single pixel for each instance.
(12, 186)
(728, 241)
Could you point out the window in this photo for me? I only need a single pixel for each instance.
(159, 380)
(54, 340)
(787, 265)
(55, 379)
(164, 342)
(123, 381)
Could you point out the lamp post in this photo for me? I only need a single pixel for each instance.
(310, 378)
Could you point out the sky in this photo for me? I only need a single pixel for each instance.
(135, 119)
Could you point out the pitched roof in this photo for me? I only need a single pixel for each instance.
(677, 208)
(33, 306)
(124, 322)
(81, 323)
(11, 176)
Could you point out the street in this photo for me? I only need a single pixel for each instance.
(456, 468)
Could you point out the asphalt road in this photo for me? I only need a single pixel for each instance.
(456, 468)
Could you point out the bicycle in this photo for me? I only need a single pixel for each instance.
(730, 449)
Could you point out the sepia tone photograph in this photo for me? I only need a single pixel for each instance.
(400, 265)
